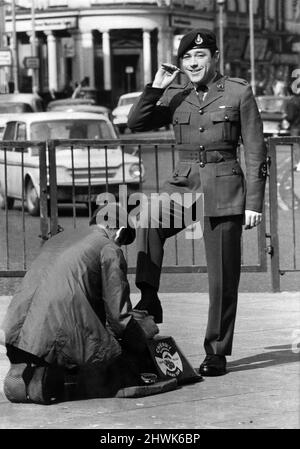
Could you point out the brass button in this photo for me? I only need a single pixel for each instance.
(234, 171)
(201, 147)
(201, 111)
(201, 129)
(226, 118)
(202, 164)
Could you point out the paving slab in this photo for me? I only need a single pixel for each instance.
(260, 391)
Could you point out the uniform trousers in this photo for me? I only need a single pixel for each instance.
(222, 239)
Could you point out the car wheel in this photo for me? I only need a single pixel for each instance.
(32, 199)
(6, 203)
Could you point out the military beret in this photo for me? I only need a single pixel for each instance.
(199, 38)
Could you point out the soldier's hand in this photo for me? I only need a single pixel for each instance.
(252, 219)
(148, 326)
(165, 75)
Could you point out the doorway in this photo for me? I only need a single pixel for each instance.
(125, 74)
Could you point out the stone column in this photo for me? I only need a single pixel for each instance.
(165, 46)
(52, 61)
(106, 60)
(147, 56)
(76, 64)
(87, 57)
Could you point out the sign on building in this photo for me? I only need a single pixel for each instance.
(31, 62)
(5, 57)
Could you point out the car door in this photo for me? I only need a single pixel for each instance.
(20, 156)
(7, 161)
(16, 161)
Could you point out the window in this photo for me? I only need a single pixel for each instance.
(8, 108)
(21, 131)
(71, 129)
(21, 135)
(9, 133)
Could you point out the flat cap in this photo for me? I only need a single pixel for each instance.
(198, 38)
(115, 216)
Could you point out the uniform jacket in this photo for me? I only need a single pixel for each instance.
(227, 113)
(78, 278)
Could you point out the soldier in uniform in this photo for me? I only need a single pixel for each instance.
(209, 115)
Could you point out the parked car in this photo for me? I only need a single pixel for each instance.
(120, 113)
(18, 103)
(59, 125)
(86, 92)
(273, 112)
(78, 105)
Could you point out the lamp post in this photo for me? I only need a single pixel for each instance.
(251, 43)
(33, 47)
(221, 4)
(14, 48)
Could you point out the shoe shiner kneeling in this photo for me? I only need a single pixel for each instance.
(70, 331)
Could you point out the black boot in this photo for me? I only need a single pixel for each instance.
(150, 302)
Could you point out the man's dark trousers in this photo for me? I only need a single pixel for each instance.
(222, 239)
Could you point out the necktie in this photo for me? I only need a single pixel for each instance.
(201, 91)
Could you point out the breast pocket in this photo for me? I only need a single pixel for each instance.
(181, 124)
(181, 174)
(230, 185)
(229, 119)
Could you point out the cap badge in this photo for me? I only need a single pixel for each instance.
(198, 39)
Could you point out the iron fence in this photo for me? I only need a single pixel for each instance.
(284, 203)
(153, 161)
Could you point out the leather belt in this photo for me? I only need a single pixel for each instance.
(206, 156)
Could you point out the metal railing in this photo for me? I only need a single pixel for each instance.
(158, 157)
(284, 199)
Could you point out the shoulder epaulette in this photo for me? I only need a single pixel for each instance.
(238, 80)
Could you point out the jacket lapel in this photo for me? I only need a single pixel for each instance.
(215, 91)
(191, 95)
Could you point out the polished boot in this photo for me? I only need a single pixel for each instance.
(213, 365)
(150, 302)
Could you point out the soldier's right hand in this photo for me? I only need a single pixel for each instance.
(165, 75)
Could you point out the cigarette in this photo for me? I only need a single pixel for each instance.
(170, 69)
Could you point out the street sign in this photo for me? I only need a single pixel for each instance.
(129, 69)
(31, 62)
(5, 58)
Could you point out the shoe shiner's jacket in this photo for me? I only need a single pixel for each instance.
(59, 313)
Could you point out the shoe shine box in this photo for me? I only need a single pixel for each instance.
(169, 361)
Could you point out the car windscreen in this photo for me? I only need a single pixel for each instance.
(71, 129)
(126, 101)
(8, 108)
(63, 104)
(271, 104)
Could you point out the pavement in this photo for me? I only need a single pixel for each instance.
(260, 391)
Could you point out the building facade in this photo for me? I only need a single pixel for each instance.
(276, 42)
(119, 44)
